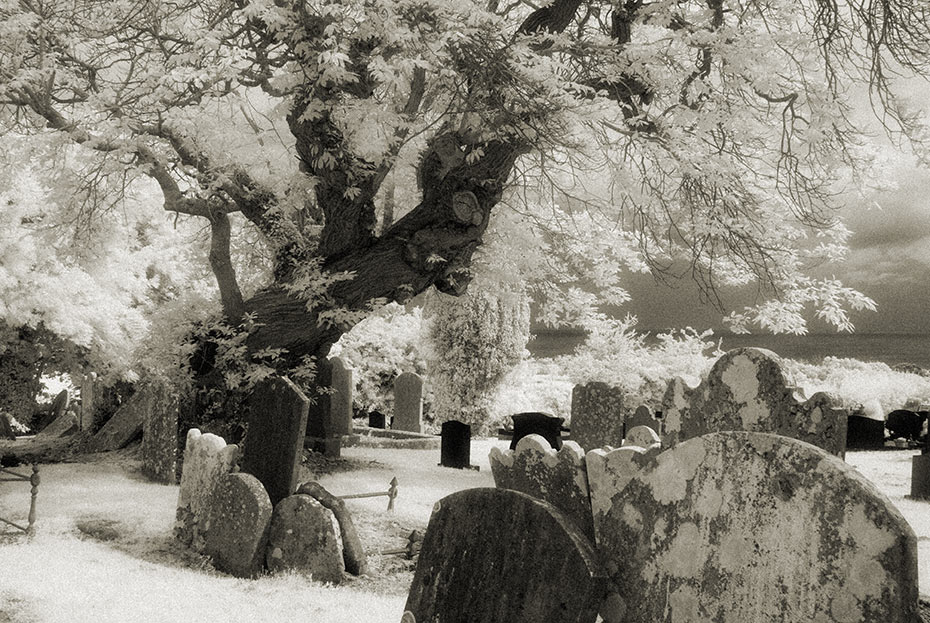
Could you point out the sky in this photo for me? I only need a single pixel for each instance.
(889, 261)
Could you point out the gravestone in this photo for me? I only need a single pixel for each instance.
(408, 402)
(740, 526)
(304, 537)
(207, 460)
(558, 477)
(236, 530)
(864, 433)
(57, 409)
(920, 476)
(495, 555)
(533, 423)
(455, 445)
(88, 395)
(642, 436)
(6, 428)
(160, 433)
(275, 440)
(746, 390)
(123, 427)
(597, 415)
(642, 417)
(64, 424)
(330, 416)
(376, 419)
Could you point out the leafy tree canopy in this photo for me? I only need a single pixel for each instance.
(358, 151)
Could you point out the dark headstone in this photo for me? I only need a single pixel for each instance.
(863, 433)
(160, 434)
(376, 419)
(642, 417)
(330, 415)
(236, 532)
(495, 555)
(455, 448)
(274, 444)
(535, 423)
(905, 423)
(304, 537)
(920, 477)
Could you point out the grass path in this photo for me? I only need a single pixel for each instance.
(64, 576)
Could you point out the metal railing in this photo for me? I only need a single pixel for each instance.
(391, 494)
(8, 475)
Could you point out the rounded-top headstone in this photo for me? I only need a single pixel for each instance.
(236, 531)
(305, 537)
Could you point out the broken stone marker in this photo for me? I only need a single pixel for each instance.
(738, 526)
(597, 415)
(207, 460)
(275, 441)
(408, 402)
(642, 436)
(746, 390)
(558, 477)
(236, 530)
(495, 555)
(304, 537)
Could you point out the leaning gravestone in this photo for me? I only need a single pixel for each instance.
(207, 460)
(274, 444)
(57, 409)
(746, 390)
(160, 433)
(408, 402)
(495, 555)
(124, 426)
(597, 415)
(304, 537)
(236, 530)
(737, 526)
(64, 424)
(558, 477)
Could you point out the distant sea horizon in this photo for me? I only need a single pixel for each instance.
(889, 348)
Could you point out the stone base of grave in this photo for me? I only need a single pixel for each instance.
(330, 446)
(387, 438)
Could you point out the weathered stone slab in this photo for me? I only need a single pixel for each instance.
(408, 402)
(124, 426)
(642, 436)
(65, 424)
(58, 408)
(207, 460)
(304, 536)
(341, 398)
(494, 555)
(275, 440)
(641, 417)
(236, 530)
(558, 477)
(330, 416)
(736, 526)
(746, 390)
(597, 415)
(160, 434)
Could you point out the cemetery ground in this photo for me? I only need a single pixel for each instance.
(104, 549)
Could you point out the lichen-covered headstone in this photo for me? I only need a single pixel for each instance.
(736, 526)
(494, 555)
(408, 402)
(304, 537)
(274, 444)
(556, 476)
(746, 390)
(207, 460)
(597, 415)
(236, 530)
(642, 436)
(160, 433)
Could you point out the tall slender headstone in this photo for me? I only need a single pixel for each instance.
(274, 443)
(408, 402)
(160, 433)
(330, 415)
(341, 398)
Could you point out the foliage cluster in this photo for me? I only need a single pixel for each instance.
(639, 364)
(378, 349)
(474, 342)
